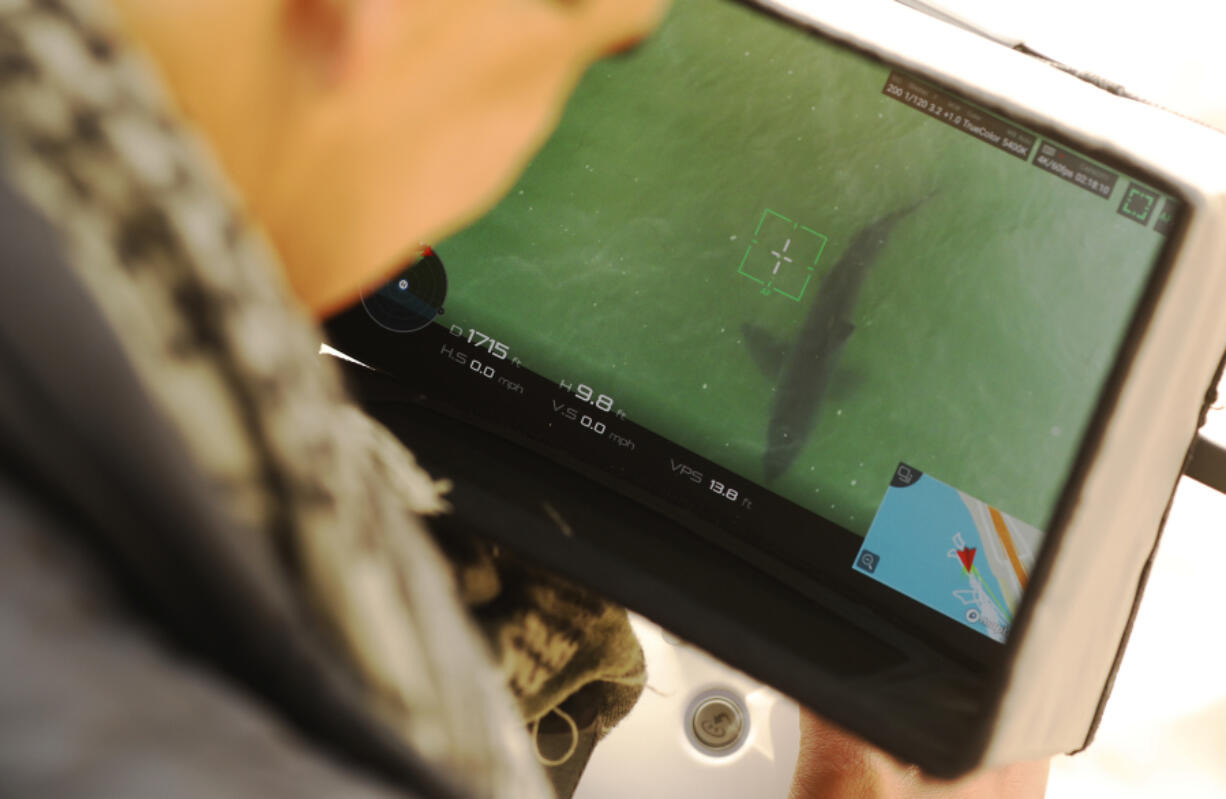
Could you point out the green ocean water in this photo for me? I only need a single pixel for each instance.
(985, 328)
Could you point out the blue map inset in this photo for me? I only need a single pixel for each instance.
(952, 552)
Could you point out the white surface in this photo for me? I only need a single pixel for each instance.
(650, 755)
(1164, 731)
(1169, 52)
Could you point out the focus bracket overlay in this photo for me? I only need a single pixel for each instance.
(782, 255)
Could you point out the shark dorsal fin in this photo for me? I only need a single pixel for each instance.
(768, 352)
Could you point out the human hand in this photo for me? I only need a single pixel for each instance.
(835, 764)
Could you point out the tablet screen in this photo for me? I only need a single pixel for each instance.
(762, 275)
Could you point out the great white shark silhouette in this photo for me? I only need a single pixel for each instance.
(802, 368)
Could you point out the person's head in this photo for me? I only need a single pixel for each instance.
(357, 129)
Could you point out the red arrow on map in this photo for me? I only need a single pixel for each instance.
(967, 556)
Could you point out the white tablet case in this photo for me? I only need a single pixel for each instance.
(1065, 646)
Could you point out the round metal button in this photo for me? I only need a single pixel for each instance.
(717, 724)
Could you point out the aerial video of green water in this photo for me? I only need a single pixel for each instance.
(985, 325)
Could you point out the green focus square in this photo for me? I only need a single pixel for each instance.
(782, 256)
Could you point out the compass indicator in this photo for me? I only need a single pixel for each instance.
(411, 299)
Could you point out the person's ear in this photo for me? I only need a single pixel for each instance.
(617, 25)
(320, 34)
